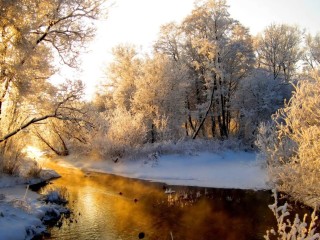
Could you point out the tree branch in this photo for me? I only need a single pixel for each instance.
(34, 120)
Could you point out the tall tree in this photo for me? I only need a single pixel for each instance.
(312, 51)
(218, 51)
(31, 29)
(278, 49)
(32, 33)
(123, 73)
(160, 97)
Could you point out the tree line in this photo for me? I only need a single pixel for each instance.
(207, 77)
(32, 35)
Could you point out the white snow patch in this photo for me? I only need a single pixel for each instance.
(17, 214)
(20, 209)
(227, 169)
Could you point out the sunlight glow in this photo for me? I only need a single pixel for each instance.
(33, 152)
(138, 22)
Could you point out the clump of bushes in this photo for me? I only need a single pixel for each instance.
(34, 170)
(58, 195)
(291, 144)
(10, 166)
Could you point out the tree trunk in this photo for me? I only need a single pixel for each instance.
(189, 118)
(64, 151)
(213, 126)
(153, 135)
(186, 128)
(205, 116)
(3, 95)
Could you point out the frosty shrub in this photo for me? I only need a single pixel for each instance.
(126, 131)
(287, 230)
(258, 96)
(10, 166)
(34, 170)
(57, 195)
(291, 144)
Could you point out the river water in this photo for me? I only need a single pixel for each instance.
(111, 207)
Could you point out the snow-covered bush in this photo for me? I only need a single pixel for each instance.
(274, 149)
(10, 166)
(287, 230)
(291, 144)
(125, 131)
(57, 195)
(35, 170)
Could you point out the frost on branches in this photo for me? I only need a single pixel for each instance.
(291, 144)
(288, 230)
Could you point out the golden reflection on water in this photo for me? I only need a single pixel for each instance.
(110, 207)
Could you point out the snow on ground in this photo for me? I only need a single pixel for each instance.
(227, 169)
(16, 218)
(21, 211)
(9, 181)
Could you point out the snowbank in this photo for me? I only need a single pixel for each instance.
(21, 212)
(227, 169)
(19, 216)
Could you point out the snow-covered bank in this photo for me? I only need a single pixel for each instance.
(22, 213)
(227, 169)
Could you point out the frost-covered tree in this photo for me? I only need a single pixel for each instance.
(123, 73)
(291, 144)
(312, 51)
(217, 52)
(278, 50)
(125, 132)
(258, 97)
(169, 41)
(266, 89)
(32, 33)
(160, 97)
(153, 87)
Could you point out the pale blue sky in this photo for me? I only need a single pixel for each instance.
(257, 14)
(138, 22)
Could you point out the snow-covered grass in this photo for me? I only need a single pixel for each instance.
(217, 167)
(16, 223)
(22, 214)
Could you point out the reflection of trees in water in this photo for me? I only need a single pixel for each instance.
(190, 213)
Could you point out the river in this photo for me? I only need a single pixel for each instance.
(105, 206)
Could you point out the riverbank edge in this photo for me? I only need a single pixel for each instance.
(23, 210)
(222, 169)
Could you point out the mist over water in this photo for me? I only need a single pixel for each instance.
(110, 207)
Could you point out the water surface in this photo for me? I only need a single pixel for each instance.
(111, 207)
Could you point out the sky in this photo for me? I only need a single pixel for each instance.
(138, 22)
